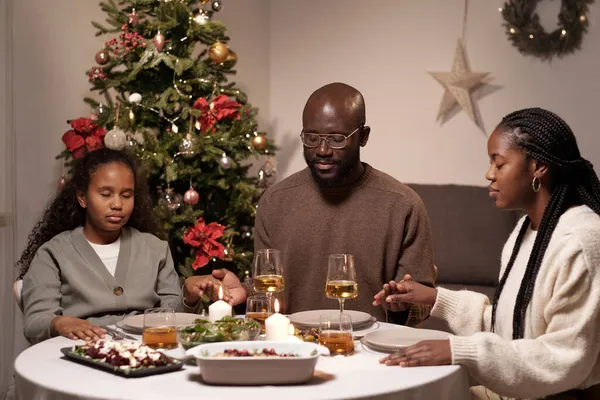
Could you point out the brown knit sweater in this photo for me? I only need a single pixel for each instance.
(379, 220)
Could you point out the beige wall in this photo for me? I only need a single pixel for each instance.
(384, 48)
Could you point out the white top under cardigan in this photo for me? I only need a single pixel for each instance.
(561, 345)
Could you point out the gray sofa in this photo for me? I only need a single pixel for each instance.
(468, 235)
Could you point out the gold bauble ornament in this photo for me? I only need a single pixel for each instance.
(204, 1)
(218, 52)
(102, 57)
(230, 61)
(260, 142)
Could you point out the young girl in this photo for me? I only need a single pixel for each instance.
(96, 253)
(541, 334)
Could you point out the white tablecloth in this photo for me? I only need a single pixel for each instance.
(42, 374)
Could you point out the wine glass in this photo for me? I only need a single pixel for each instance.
(341, 278)
(268, 273)
(257, 308)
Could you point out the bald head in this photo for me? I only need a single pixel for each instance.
(335, 101)
(331, 111)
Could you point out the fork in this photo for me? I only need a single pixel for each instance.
(116, 334)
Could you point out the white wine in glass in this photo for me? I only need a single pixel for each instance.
(341, 289)
(269, 283)
(268, 273)
(341, 279)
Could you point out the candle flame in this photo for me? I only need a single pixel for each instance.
(220, 292)
(276, 305)
(291, 330)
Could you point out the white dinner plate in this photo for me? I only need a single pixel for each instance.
(135, 323)
(310, 319)
(397, 339)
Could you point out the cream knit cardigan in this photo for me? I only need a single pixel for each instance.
(561, 345)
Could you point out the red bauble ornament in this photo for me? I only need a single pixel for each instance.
(102, 57)
(191, 197)
(159, 41)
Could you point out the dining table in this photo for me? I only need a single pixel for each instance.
(43, 373)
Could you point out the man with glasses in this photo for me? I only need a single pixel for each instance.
(342, 205)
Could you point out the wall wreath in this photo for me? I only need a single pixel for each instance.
(526, 33)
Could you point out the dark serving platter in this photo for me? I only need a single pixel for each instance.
(126, 373)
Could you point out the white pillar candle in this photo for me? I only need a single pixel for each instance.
(291, 336)
(219, 309)
(277, 325)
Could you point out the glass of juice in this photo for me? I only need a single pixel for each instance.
(257, 308)
(159, 328)
(336, 334)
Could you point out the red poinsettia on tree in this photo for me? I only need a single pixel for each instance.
(203, 238)
(221, 107)
(85, 136)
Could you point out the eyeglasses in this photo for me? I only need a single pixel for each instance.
(334, 140)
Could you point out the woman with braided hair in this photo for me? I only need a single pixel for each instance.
(540, 336)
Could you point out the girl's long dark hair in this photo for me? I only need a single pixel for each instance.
(545, 137)
(63, 213)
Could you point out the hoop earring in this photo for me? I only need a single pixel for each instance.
(536, 185)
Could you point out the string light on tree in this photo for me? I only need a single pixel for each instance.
(246, 231)
(201, 17)
(228, 252)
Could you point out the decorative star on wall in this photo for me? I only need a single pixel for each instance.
(459, 84)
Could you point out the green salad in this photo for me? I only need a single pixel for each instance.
(224, 330)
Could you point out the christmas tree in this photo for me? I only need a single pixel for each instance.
(162, 78)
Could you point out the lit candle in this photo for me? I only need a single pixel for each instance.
(277, 325)
(219, 309)
(291, 336)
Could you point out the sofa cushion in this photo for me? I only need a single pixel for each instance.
(468, 232)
